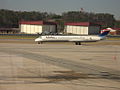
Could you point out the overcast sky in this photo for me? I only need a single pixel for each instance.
(60, 6)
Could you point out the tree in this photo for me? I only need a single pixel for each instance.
(9, 18)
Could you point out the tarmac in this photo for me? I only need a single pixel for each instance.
(54, 66)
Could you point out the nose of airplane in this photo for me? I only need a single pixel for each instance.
(37, 39)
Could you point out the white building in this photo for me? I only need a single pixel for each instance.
(84, 28)
(34, 27)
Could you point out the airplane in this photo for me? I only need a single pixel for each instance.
(77, 39)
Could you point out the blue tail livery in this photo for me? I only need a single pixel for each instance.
(104, 33)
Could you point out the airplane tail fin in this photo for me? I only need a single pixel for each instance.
(105, 33)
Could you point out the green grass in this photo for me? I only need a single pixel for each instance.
(117, 38)
(33, 37)
(18, 37)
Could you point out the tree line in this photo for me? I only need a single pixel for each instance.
(10, 18)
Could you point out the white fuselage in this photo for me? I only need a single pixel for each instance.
(66, 38)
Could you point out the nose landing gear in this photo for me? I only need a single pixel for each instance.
(77, 43)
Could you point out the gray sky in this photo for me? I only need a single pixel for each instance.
(60, 6)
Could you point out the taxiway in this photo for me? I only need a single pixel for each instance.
(59, 66)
